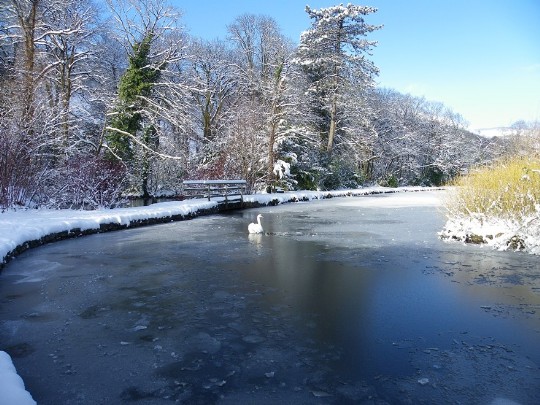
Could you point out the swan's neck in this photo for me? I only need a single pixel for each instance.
(259, 220)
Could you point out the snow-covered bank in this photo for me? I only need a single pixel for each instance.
(12, 390)
(20, 230)
(497, 233)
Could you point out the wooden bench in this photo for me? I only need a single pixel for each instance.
(215, 188)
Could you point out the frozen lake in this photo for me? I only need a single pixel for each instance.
(341, 301)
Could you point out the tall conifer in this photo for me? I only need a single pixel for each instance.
(135, 85)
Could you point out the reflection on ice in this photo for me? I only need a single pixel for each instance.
(255, 238)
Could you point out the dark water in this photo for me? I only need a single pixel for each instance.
(340, 301)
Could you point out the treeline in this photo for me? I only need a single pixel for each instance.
(98, 104)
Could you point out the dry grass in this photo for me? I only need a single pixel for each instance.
(509, 189)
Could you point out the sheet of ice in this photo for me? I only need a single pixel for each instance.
(12, 390)
(398, 200)
(19, 227)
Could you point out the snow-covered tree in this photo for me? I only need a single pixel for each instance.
(77, 81)
(25, 32)
(69, 49)
(419, 142)
(151, 99)
(213, 84)
(48, 65)
(334, 51)
(261, 53)
(135, 86)
(270, 92)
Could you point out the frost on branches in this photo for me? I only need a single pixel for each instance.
(333, 53)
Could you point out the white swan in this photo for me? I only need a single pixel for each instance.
(256, 227)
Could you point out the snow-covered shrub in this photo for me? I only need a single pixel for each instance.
(19, 171)
(282, 172)
(282, 169)
(85, 182)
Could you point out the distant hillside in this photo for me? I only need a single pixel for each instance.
(493, 132)
(517, 128)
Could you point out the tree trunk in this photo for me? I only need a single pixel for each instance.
(28, 26)
(333, 107)
(271, 160)
(207, 118)
(149, 134)
(332, 131)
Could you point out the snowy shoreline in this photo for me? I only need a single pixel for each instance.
(21, 230)
(496, 233)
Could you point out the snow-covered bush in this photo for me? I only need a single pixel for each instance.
(85, 182)
(282, 172)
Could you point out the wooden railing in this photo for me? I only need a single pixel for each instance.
(230, 190)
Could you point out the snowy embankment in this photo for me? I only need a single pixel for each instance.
(12, 390)
(497, 233)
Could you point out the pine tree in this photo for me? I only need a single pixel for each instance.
(332, 52)
(129, 126)
(135, 85)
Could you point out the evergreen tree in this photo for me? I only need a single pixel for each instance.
(130, 130)
(135, 85)
(332, 52)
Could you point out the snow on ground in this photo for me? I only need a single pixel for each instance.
(12, 389)
(498, 233)
(20, 227)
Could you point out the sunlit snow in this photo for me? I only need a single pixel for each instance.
(12, 390)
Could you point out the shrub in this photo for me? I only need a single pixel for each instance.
(510, 189)
(19, 171)
(84, 182)
(390, 181)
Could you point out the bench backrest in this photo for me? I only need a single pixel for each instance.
(215, 188)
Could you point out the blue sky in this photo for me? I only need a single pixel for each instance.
(479, 57)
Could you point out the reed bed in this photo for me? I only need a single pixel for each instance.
(508, 190)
